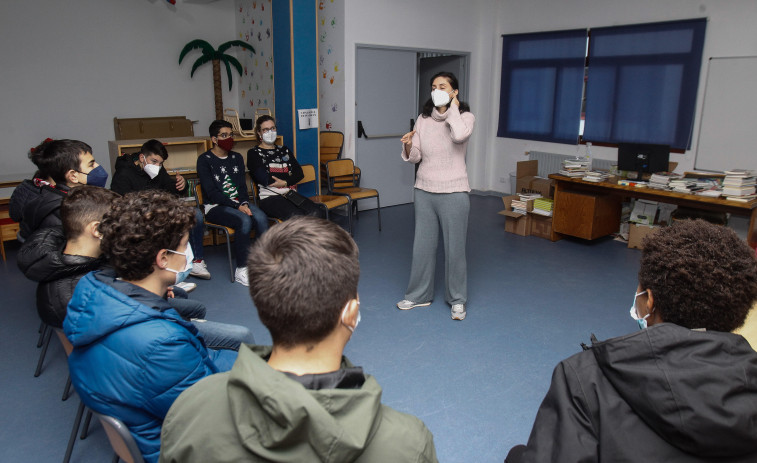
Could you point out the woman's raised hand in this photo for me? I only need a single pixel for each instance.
(407, 139)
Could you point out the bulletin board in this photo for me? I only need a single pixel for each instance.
(728, 127)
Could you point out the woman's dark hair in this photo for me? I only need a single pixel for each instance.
(428, 107)
(701, 275)
(260, 120)
(154, 147)
(55, 158)
(138, 226)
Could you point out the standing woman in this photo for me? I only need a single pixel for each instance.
(276, 171)
(438, 144)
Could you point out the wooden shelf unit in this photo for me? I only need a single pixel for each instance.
(182, 151)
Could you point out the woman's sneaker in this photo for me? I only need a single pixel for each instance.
(458, 311)
(200, 270)
(240, 276)
(407, 305)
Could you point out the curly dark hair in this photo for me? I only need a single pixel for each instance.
(302, 272)
(701, 275)
(138, 226)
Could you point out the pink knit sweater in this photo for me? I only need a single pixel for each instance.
(441, 141)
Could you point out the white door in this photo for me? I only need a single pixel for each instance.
(385, 99)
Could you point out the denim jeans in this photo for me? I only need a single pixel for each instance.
(196, 235)
(223, 335)
(242, 225)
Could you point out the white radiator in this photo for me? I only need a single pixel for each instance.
(550, 163)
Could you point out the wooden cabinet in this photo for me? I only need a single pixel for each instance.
(182, 152)
(585, 215)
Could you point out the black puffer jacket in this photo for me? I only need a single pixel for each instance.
(36, 207)
(129, 177)
(41, 259)
(665, 393)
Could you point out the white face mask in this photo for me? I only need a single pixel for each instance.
(357, 322)
(182, 275)
(269, 137)
(152, 170)
(440, 98)
(635, 313)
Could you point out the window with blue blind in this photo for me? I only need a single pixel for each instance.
(641, 86)
(542, 83)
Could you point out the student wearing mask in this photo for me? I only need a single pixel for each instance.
(62, 165)
(143, 171)
(276, 171)
(681, 389)
(224, 188)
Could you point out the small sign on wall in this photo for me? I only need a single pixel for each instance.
(308, 118)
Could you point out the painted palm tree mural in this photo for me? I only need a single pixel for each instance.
(209, 54)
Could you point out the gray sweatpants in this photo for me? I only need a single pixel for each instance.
(450, 211)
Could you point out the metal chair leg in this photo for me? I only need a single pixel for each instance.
(42, 330)
(87, 420)
(74, 432)
(378, 210)
(46, 344)
(67, 389)
(228, 251)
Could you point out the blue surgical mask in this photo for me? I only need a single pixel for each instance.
(182, 275)
(97, 177)
(635, 313)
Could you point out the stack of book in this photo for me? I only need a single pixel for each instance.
(660, 180)
(739, 185)
(574, 167)
(594, 176)
(683, 185)
(543, 206)
(520, 205)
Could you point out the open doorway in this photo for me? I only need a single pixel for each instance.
(391, 86)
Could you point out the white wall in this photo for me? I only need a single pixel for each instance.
(730, 32)
(69, 67)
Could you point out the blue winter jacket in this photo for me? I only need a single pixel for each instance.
(133, 354)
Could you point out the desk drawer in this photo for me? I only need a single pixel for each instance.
(585, 215)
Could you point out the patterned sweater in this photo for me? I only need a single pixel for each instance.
(223, 180)
(441, 142)
(279, 162)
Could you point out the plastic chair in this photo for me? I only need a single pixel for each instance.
(231, 116)
(331, 145)
(328, 201)
(120, 438)
(227, 231)
(341, 169)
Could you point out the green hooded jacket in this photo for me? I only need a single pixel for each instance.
(255, 413)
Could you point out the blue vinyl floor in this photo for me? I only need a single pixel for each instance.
(476, 384)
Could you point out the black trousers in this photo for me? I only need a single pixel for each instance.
(281, 208)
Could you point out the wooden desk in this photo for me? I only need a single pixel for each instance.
(568, 184)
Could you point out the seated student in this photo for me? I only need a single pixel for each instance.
(133, 354)
(276, 172)
(300, 400)
(683, 389)
(144, 171)
(62, 165)
(58, 257)
(224, 188)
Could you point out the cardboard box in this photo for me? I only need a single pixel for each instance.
(637, 232)
(541, 226)
(514, 222)
(527, 180)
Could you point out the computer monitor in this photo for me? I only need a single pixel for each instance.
(643, 158)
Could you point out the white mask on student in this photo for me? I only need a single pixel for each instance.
(269, 137)
(152, 170)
